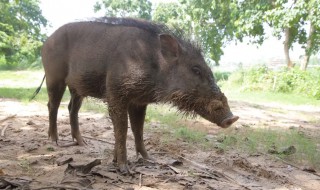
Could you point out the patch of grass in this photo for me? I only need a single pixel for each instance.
(164, 113)
(263, 79)
(190, 135)
(235, 93)
(25, 165)
(50, 149)
(261, 140)
(24, 94)
(94, 105)
(172, 130)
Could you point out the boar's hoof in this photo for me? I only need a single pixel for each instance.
(73, 144)
(229, 121)
(124, 169)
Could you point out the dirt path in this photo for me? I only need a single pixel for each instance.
(29, 159)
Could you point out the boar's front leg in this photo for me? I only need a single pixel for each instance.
(137, 115)
(119, 117)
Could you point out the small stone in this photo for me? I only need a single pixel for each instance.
(64, 160)
(309, 169)
(288, 150)
(30, 123)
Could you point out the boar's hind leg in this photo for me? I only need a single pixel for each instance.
(55, 93)
(74, 106)
(137, 115)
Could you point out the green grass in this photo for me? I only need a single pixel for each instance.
(234, 93)
(252, 141)
(94, 105)
(190, 135)
(162, 112)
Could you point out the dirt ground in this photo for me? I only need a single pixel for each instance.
(28, 160)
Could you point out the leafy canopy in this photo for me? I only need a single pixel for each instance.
(125, 8)
(20, 32)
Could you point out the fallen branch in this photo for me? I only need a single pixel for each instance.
(7, 118)
(62, 187)
(176, 170)
(4, 130)
(140, 180)
(209, 171)
(83, 168)
(97, 139)
(63, 161)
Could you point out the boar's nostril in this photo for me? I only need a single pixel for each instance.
(217, 109)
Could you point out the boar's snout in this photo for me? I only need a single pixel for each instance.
(218, 111)
(228, 121)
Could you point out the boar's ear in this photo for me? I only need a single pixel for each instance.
(169, 47)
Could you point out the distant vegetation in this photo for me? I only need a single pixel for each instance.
(262, 79)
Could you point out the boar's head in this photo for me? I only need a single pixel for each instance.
(190, 84)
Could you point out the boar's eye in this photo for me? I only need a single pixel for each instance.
(196, 70)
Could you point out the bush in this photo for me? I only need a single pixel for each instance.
(260, 78)
(221, 76)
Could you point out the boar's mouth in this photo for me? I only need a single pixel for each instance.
(218, 111)
(215, 109)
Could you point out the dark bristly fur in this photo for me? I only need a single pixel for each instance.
(152, 27)
(129, 63)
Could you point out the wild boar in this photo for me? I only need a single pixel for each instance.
(128, 63)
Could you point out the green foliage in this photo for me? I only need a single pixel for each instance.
(125, 8)
(167, 13)
(20, 35)
(215, 22)
(221, 76)
(260, 78)
(211, 22)
(282, 16)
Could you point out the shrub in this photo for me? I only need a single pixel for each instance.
(261, 78)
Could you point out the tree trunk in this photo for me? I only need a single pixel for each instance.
(286, 47)
(307, 54)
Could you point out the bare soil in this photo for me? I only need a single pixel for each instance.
(29, 160)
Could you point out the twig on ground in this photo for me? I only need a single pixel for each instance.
(140, 180)
(7, 118)
(83, 168)
(158, 152)
(208, 170)
(68, 144)
(176, 170)
(4, 130)
(61, 187)
(97, 140)
(116, 185)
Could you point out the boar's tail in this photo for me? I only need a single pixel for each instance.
(38, 89)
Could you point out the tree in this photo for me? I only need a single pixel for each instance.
(216, 22)
(287, 18)
(313, 40)
(20, 31)
(169, 13)
(125, 8)
(206, 21)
